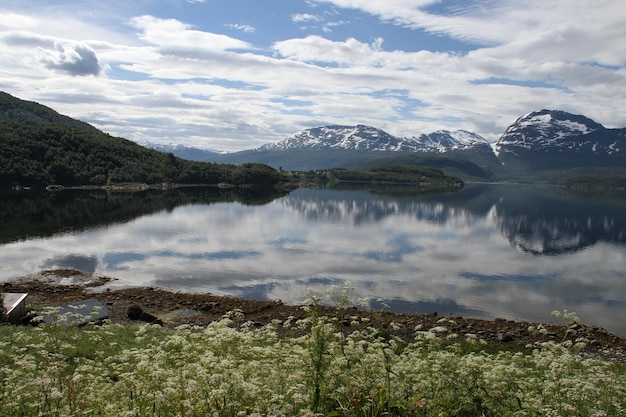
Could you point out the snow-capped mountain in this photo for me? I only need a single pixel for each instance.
(556, 131)
(358, 137)
(368, 138)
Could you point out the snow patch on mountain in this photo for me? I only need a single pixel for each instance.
(550, 127)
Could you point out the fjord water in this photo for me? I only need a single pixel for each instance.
(486, 251)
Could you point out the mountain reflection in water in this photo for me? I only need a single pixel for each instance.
(486, 251)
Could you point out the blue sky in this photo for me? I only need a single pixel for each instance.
(236, 74)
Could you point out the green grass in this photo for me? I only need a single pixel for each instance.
(231, 369)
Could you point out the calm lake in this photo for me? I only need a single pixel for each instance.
(486, 251)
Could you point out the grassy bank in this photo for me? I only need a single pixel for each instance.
(293, 368)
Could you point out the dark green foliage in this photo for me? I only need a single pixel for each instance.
(398, 174)
(252, 173)
(40, 147)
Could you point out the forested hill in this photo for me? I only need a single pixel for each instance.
(39, 146)
(23, 111)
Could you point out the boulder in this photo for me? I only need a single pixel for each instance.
(135, 312)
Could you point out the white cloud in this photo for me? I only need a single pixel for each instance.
(172, 35)
(305, 17)
(25, 39)
(317, 21)
(71, 58)
(328, 26)
(243, 28)
(581, 31)
(318, 49)
(571, 44)
(14, 21)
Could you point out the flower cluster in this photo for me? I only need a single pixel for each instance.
(231, 369)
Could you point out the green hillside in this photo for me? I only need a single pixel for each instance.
(29, 112)
(397, 174)
(38, 147)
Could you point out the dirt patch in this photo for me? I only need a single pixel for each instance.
(58, 287)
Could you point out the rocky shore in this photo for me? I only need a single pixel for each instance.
(172, 309)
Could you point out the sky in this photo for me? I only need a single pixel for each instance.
(230, 75)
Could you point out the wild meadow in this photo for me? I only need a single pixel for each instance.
(303, 367)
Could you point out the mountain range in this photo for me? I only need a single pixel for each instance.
(548, 144)
(542, 146)
(344, 138)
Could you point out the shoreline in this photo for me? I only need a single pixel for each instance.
(59, 287)
(137, 186)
